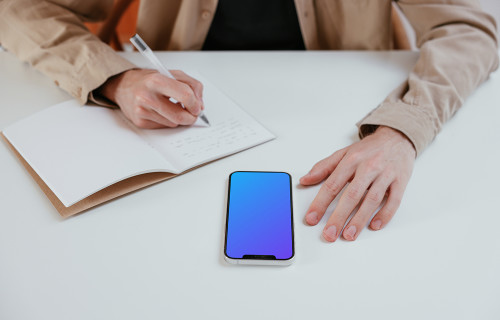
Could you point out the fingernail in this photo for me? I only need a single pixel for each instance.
(350, 233)
(330, 233)
(376, 224)
(312, 218)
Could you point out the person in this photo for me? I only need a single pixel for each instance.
(458, 51)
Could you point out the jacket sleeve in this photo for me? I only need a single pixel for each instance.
(51, 36)
(458, 50)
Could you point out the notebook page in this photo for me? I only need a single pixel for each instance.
(79, 150)
(231, 130)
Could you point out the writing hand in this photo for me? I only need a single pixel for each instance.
(143, 95)
(380, 164)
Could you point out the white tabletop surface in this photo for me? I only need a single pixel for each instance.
(158, 253)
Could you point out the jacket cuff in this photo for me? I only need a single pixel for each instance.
(414, 123)
(101, 65)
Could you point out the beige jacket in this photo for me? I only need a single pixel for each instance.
(457, 41)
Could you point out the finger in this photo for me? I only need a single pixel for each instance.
(196, 85)
(140, 117)
(173, 112)
(348, 201)
(321, 170)
(148, 124)
(382, 218)
(178, 90)
(371, 202)
(155, 117)
(328, 191)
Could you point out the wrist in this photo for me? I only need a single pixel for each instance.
(110, 88)
(397, 136)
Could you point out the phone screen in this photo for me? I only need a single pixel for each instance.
(259, 216)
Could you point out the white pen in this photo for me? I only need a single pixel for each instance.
(146, 51)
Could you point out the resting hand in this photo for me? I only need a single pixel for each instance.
(143, 95)
(380, 164)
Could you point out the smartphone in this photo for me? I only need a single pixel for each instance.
(259, 220)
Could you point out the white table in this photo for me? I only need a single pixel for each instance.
(157, 253)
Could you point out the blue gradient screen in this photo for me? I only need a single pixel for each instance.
(259, 216)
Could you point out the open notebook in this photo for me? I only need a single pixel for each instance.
(82, 156)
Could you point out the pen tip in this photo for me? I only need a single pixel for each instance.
(204, 118)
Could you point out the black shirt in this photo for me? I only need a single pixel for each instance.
(255, 25)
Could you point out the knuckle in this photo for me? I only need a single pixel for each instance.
(387, 213)
(388, 175)
(319, 167)
(140, 112)
(354, 157)
(141, 123)
(186, 93)
(324, 172)
(157, 77)
(322, 167)
(353, 192)
(198, 85)
(177, 118)
(198, 105)
(148, 82)
(151, 80)
(374, 196)
(332, 186)
(335, 155)
(374, 165)
(141, 98)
